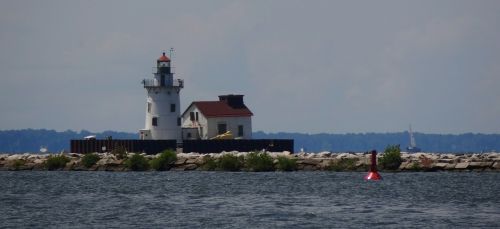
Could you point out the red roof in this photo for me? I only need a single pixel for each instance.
(163, 58)
(211, 109)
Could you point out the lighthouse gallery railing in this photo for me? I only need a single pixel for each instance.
(156, 83)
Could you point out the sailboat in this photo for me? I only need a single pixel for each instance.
(412, 148)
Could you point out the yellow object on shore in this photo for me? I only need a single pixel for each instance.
(227, 135)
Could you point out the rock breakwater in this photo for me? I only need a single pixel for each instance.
(303, 161)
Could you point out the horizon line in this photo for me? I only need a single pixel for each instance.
(265, 132)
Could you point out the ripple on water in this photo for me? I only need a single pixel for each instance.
(228, 200)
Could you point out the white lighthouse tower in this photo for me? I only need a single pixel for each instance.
(163, 103)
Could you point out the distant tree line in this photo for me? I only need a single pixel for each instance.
(468, 142)
(30, 140)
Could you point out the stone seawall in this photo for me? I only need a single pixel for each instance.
(304, 161)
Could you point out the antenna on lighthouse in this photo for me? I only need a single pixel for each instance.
(170, 53)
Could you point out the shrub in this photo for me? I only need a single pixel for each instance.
(17, 164)
(165, 161)
(56, 162)
(415, 167)
(209, 164)
(137, 163)
(391, 159)
(119, 152)
(259, 162)
(286, 164)
(90, 159)
(344, 164)
(229, 162)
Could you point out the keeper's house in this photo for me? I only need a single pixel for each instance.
(207, 119)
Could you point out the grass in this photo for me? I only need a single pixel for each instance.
(286, 164)
(253, 162)
(259, 162)
(165, 161)
(209, 164)
(415, 166)
(344, 164)
(119, 152)
(90, 159)
(18, 164)
(229, 162)
(391, 159)
(137, 163)
(56, 162)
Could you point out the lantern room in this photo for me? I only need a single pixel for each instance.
(163, 64)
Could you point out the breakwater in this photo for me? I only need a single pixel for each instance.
(302, 161)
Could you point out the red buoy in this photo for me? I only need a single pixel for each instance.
(373, 174)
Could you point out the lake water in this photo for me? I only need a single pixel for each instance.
(247, 200)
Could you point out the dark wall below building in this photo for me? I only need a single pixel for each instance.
(198, 146)
(243, 145)
(139, 146)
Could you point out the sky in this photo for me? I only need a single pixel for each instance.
(303, 66)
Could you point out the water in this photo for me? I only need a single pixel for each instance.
(247, 200)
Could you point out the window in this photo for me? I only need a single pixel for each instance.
(179, 121)
(154, 121)
(188, 135)
(172, 107)
(191, 116)
(240, 131)
(221, 128)
(196, 116)
(149, 107)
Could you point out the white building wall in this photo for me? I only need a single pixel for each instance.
(232, 124)
(201, 124)
(190, 134)
(209, 125)
(160, 99)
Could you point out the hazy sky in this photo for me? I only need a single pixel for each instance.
(303, 66)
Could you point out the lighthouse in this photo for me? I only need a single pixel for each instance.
(163, 120)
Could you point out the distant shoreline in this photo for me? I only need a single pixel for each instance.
(324, 161)
(30, 140)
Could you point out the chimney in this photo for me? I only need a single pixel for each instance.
(234, 101)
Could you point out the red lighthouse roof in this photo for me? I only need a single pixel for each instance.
(163, 58)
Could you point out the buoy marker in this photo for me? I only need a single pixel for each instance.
(373, 174)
